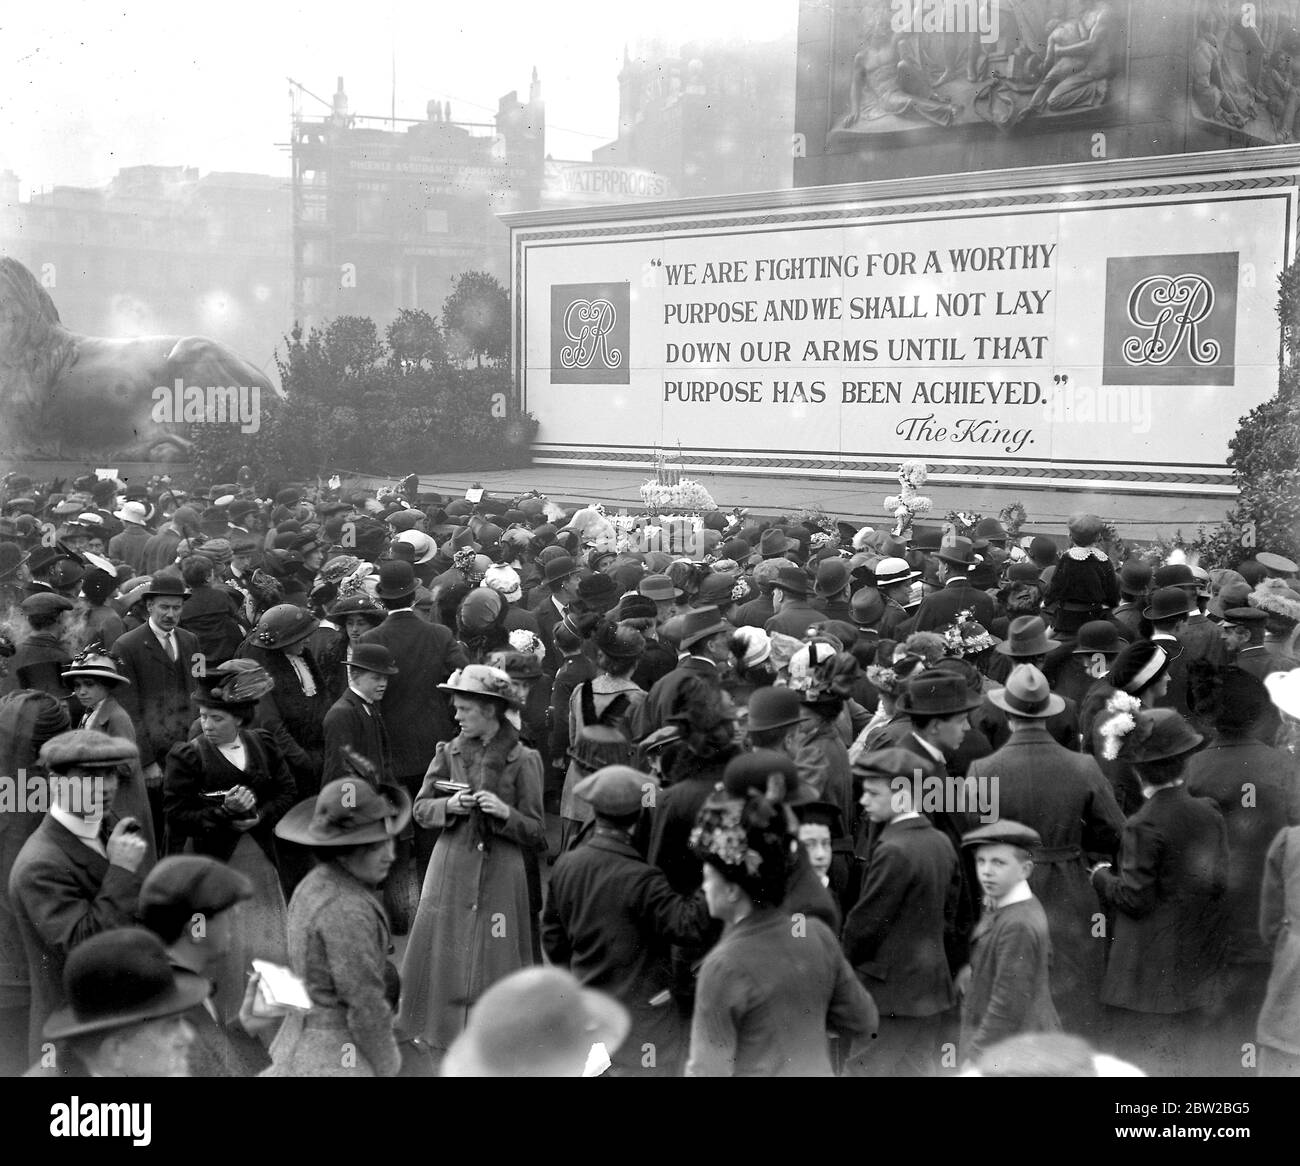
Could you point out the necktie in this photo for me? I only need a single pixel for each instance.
(171, 645)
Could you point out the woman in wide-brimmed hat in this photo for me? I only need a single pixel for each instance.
(483, 790)
(339, 933)
(223, 793)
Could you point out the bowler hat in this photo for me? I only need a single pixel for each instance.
(1135, 577)
(1166, 735)
(1173, 575)
(1098, 635)
(347, 812)
(166, 585)
(937, 694)
(747, 773)
(699, 624)
(774, 707)
(1168, 603)
(615, 791)
(1043, 550)
(118, 978)
(1027, 636)
(396, 579)
(1027, 695)
(991, 529)
(560, 568)
(372, 658)
(1003, 831)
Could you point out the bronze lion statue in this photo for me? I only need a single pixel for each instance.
(90, 398)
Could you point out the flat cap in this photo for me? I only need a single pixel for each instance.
(1007, 831)
(616, 790)
(46, 603)
(87, 748)
(892, 763)
(189, 884)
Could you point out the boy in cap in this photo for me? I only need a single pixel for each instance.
(1006, 987)
(611, 919)
(355, 719)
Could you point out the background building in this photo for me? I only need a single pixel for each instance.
(387, 212)
(161, 250)
(711, 118)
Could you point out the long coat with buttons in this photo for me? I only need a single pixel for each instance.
(473, 924)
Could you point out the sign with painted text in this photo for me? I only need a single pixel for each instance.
(1101, 333)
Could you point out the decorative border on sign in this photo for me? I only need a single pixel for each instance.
(882, 210)
(890, 467)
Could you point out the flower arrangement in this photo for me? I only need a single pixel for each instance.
(721, 834)
(684, 494)
(966, 636)
(1123, 710)
(907, 503)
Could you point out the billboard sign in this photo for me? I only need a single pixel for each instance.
(1062, 332)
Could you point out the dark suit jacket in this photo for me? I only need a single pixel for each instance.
(1257, 790)
(158, 698)
(658, 703)
(795, 618)
(351, 721)
(62, 893)
(940, 608)
(418, 716)
(898, 935)
(1176, 694)
(611, 919)
(1172, 930)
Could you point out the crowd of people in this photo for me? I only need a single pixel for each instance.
(318, 782)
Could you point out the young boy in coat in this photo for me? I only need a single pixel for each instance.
(1006, 984)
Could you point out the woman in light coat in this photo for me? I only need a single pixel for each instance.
(483, 790)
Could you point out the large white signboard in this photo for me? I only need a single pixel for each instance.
(1108, 332)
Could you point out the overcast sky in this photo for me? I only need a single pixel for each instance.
(87, 87)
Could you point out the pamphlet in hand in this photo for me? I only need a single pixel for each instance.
(279, 991)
